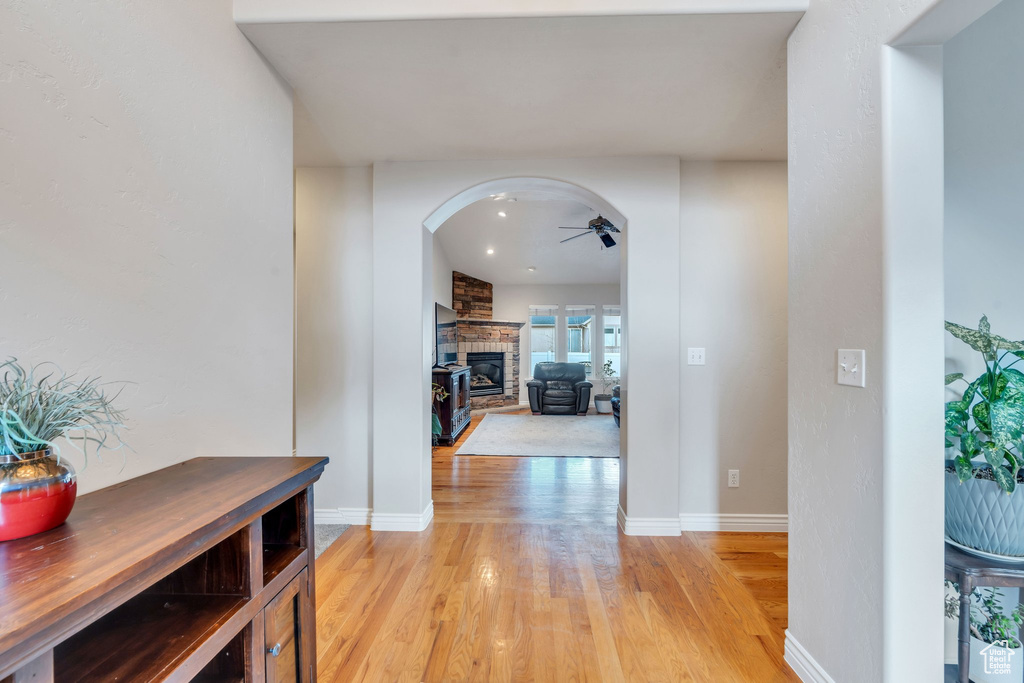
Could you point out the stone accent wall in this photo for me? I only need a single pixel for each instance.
(471, 298)
(495, 336)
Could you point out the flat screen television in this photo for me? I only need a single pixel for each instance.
(446, 351)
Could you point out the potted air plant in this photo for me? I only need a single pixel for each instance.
(984, 431)
(603, 402)
(39, 407)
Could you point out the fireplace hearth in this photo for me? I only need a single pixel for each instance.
(486, 373)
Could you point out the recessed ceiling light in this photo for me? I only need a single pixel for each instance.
(532, 268)
(496, 197)
(490, 251)
(502, 214)
(512, 199)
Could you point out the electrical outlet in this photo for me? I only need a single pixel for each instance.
(695, 357)
(850, 368)
(734, 479)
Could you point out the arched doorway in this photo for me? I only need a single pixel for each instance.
(411, 200)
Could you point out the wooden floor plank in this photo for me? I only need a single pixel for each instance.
(523, 576)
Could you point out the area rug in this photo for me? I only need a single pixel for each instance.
(560, 436)
(326, 534)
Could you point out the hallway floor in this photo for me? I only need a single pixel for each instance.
(524, 576)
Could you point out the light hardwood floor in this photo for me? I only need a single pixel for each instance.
(523, 576)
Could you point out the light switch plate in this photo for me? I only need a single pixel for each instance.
(695, 357)
(850, 369)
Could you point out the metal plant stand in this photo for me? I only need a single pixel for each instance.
(969, 572)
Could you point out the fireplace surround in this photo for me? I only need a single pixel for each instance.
(493, 338)
(486, 373)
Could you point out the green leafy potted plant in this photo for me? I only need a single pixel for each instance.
(603, 401)
(984, 429)
(39, 407)
(995, 646)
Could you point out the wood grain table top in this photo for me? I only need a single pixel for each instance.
(120, 539)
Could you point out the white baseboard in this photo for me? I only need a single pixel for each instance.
(402, 522)
(729, 522)
(803, 664)
(354, 516)
(647, 526)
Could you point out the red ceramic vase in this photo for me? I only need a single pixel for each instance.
(37, 492)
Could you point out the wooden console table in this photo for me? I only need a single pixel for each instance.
(200, 571)
(970, 571)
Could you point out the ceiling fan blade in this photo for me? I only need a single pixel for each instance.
(582, 234)
(562, 227)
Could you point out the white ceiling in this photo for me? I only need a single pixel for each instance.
(527, 236)
(708, 86)
(275, 11)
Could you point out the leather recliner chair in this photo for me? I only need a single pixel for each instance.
(559, 389)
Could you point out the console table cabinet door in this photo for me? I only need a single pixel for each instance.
(284, 634)
(453, 411)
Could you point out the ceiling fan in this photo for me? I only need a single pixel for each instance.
(600, 226)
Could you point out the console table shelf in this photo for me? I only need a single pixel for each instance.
(145, 640)
(201, 571)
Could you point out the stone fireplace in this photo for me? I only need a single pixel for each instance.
(489, 347)
(485, 343)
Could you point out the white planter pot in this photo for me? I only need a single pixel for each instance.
(603, 406)
(994, 663)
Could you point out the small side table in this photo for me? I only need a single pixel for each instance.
(970, 571)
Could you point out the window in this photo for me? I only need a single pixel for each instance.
(543, 334)
(613, 337)
(579, 322)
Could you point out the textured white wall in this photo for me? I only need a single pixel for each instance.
(733, 303)
(984, 107)
(146, 228)
(836, 268)
(334, 339)
(732, 262)
(442, 275)
(984, 151)
(646, 190)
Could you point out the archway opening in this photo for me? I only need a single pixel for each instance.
(515, 289)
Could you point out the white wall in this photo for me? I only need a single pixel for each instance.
(147, 221)
(334, 340)
(732, 265)
(512, 302)
(844, 558)
(442, 274)
(984, 164)
(984, 107)
(733, 303)
(646, 190)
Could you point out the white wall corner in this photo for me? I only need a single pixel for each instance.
(766, 523)
(402, 522)
(353, 516)
(647, 526)
(803, 664)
